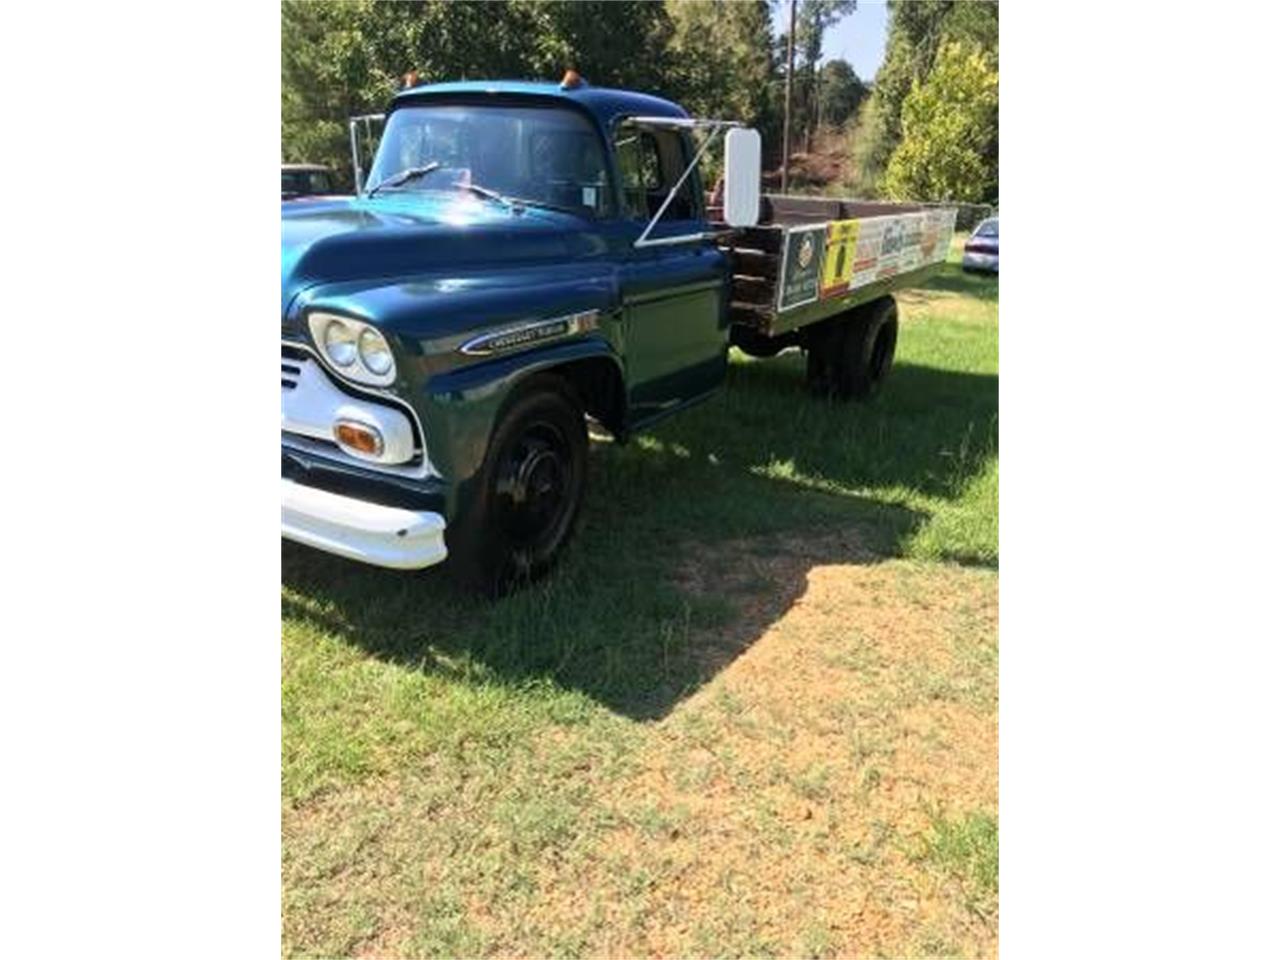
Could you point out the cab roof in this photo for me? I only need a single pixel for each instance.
(603, 103)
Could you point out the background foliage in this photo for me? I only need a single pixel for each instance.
(947, 123)
(347, 57)
(917, 30)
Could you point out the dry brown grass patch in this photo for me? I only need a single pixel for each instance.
(780, 809)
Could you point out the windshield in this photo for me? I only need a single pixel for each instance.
(542, 155)
(989, 229)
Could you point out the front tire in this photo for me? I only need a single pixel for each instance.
(524, 503)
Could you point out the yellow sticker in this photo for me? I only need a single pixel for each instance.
(837, 264)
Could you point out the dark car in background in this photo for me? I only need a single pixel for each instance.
(305, 180)
(982, 250)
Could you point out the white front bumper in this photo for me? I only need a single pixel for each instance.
(359, 530)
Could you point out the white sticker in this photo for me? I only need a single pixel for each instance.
(589, 196)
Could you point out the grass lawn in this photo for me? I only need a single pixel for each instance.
(754, 712)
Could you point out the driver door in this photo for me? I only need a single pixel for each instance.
(674, 296)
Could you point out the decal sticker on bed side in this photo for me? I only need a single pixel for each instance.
(890, 248)
(912, 233)
(867, 252)
(841, 253)
(929, 239)
(801, 264)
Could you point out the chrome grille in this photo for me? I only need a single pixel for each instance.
(300, 371)
(291, 363)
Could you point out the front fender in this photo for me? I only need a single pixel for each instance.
(430, 319)
(462, 406)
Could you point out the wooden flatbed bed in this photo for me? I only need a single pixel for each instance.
(812, 258)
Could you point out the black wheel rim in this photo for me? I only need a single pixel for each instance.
(533, 485)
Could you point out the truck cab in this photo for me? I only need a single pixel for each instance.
(503, 273)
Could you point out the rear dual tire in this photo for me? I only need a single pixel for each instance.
(850, 356)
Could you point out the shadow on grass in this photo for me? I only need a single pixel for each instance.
(636, 617)
(644, 609)
(930, 430)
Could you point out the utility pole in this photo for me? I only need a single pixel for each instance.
(786, 112)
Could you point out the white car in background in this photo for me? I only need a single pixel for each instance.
(982, 249)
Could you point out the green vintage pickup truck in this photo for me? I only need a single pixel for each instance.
(522, 258)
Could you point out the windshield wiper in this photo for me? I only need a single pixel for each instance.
(404, 176)
(513, 202)
(488, 194)
(544, 205)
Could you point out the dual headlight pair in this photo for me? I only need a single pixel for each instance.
(355, 349)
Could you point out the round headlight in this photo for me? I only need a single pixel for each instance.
(353, 349)
(340, 343)
(375, 354)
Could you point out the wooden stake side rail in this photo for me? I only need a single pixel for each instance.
(756, 255)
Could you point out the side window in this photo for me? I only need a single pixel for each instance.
(640, 169)
(649, 164)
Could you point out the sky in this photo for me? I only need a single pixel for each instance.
(858, 38)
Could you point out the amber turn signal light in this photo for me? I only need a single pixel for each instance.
(358, 438)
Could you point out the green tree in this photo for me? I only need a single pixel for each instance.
(347, 57)
(719, 58)
(840, 93)
(917, 29)
(610, 44)
(719, 64)
(948, 123)
(325, 73)
(814, 18)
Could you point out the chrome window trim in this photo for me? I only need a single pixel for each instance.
(415, 471)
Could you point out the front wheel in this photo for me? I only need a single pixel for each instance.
(524, 503)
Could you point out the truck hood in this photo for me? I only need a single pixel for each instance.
(410, 235)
